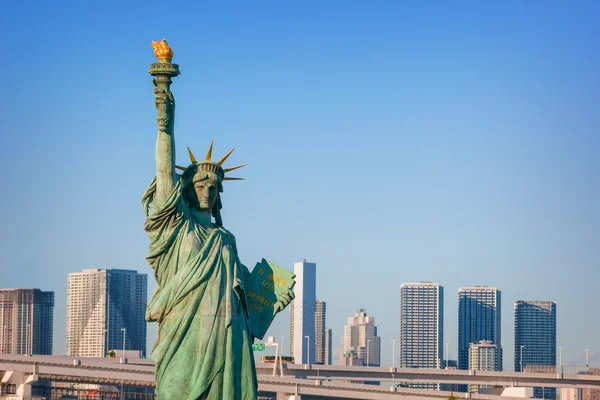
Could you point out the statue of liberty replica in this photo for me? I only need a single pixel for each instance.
(202, 301)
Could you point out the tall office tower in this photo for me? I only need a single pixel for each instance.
(328, 346)
(478, 319)
(360, 340)
(483, 356)
(535, 338)
(106, 307)
(26, 321)
(421, 325)
(302, 313)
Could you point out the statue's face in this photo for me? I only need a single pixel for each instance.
(203, 194)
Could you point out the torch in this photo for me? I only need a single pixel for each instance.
(163, 71)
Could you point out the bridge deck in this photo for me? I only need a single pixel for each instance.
(301, 379)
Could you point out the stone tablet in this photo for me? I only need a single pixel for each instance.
(266, 281)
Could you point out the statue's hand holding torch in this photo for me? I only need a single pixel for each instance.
(165, 105)
(163, 71)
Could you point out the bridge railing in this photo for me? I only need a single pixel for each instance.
(561, 369)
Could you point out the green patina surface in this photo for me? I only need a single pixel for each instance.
(204, 346)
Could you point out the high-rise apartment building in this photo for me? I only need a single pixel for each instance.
(479, 312)
(320, 321)
(26, 321)
(322, 346)
(421, 325)
(106, 307)
(328, 346)
(322, 335)
(360, 341)
(535, 338)
(302, 313)
(483, 356)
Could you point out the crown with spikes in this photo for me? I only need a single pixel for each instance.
(215, 167)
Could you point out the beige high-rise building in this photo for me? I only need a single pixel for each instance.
(483, 356)
(106, 311)
(26, 321)
(570, 394)
(360, 341)
(591, 394)
(350, 359)
(578, 394)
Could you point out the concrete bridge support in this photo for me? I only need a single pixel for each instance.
(288, 396)
(23, 381)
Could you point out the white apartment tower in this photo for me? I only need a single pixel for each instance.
(421, 325)
(360, 341)
(106, 307)
(302, 313)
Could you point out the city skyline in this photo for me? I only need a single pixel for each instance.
(320, 319)
(326, 341)
(473, 129)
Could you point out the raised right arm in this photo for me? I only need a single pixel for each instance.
(166, 177)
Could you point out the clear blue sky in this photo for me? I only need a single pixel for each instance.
(390, 142)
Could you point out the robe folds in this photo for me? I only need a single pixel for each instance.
(204, 344)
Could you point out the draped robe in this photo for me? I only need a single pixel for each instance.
(204, 344)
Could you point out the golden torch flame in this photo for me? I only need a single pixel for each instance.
(162, 49)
